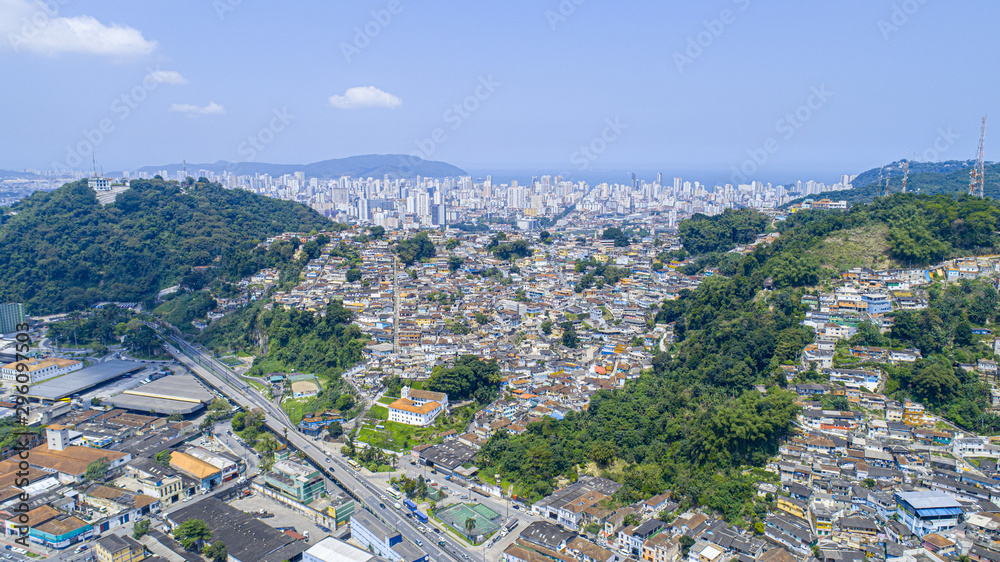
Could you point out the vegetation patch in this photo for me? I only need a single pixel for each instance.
(865, 246)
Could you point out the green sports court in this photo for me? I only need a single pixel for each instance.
(487, 520)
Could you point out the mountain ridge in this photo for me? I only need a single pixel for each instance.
(365, 165)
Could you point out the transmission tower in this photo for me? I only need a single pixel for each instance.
(977, 176)
(878, 185)
(906, 173)
(885, 192)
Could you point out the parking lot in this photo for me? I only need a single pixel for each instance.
(283, 516)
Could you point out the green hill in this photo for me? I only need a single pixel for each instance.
(930, 178)
(64, 251)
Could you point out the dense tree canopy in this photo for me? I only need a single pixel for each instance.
(616, 234)
(103, 326)
(301, 340)
(469, 377)
(415, 248)
(702, 234)
(64, 251)
(509, 250)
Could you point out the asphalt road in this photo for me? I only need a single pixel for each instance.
(239, 391)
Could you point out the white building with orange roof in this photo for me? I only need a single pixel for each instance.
(39, 369)
(418, 407)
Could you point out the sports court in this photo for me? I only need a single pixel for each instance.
(487, 520)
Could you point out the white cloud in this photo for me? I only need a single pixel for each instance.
(37, 27)
(167, 77)
(191, 109)
(362, 97)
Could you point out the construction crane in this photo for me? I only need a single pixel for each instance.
(977, 176)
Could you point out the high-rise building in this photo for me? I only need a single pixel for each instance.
(440, 216)
(11, 314)
(363, 213)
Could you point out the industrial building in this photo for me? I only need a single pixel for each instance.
(174, 394)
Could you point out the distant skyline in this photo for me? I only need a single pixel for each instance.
(729, 90)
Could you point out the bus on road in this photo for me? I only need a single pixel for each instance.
(419, 515)
(410, 504)
(353, 464)
(392, 493)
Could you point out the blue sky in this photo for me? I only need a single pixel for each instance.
(781, 90)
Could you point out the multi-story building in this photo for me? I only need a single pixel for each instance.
(156, 480)
(295, 480)
(227, 464)
(379, 539)
(112, 548)
(11, 314)
(914, 414)
(793, 506)
(927, 512)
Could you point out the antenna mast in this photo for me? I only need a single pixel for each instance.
(977, 176)
(878, 185)
(906, 172)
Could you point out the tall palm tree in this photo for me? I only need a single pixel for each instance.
(470, 525)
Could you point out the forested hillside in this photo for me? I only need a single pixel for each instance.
(702, 234)
(928, 178)
(324, 345)
(64, 251)
(696, 423)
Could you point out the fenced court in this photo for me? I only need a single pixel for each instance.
(487, 520)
